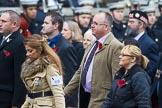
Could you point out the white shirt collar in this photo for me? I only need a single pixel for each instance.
(102, 39)
(6, 37)
(139, 35)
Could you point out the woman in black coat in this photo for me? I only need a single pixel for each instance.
(73, 34)
(131, 84)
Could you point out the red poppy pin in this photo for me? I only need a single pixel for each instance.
(7, 53)
(100, 46)
(121, 83)
(55, 49)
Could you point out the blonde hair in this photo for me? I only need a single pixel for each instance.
(40, 44)
(76, 32)
(134, 51)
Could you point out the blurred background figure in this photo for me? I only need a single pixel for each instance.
(28, 25)
(69, 3)
(150, 11)
(137, 5)
(117, 10)
(83, 17)
(73, 34)
(160, 7)
(157, 37)
(153, 29)
(87, 4)
(9, 3)
(24, 28)
(51, 5)
(157, 30)
(88, 38)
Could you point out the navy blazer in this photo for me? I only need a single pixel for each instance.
(12, 55)
(150, 49)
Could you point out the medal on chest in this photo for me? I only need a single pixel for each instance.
(37, 81)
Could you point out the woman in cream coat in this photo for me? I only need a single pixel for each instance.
(42, 75)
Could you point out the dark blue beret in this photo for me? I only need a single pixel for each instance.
(139, 15)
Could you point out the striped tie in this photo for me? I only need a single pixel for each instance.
(88, 62)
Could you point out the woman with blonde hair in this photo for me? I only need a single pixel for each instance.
(131, 85)
(71, 31)
(42, 75)
(73, 34)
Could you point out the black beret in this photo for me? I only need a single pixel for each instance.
(139, 15)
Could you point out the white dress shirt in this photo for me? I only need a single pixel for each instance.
(87, 87)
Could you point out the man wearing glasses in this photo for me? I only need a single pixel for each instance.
(99, 64)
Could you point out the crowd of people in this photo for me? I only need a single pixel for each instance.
(99, 60)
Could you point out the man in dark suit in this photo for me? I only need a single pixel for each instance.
(137, 24)
(52, 27)
(12, 55)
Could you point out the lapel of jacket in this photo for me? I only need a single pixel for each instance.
(59, 44)
(9, 40)
(140, 40)
(106, 42)
(4, 44)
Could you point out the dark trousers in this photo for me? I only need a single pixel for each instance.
(5, 99)
(84, 98)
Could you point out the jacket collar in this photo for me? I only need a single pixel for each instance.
(10, 39)
(134, 69)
